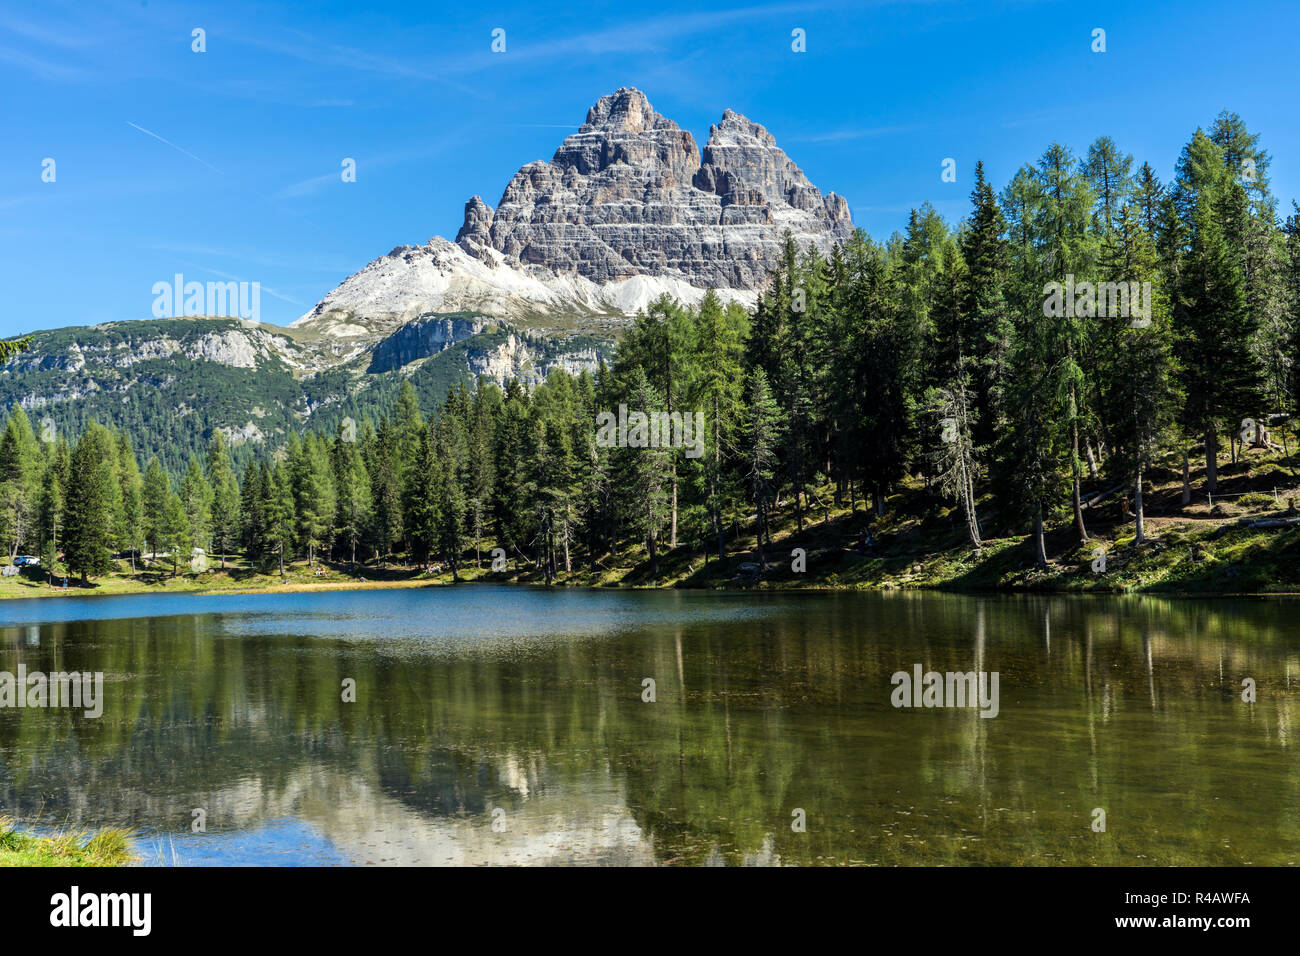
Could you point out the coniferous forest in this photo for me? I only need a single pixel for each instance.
(933, 357)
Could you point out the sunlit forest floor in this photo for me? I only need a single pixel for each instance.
(918, 541)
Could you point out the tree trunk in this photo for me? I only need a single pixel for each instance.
(1187, 477)
(717, 519)
(1211, 461)
(1079, 526)
(1138, 511)
(1040, 542)
(672, 541)
(968, 505)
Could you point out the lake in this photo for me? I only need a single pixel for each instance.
(512, 725)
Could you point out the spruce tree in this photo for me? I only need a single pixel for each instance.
(19, 480)
(225, 497)
(197, 497)
(89, 534)
(154, 494)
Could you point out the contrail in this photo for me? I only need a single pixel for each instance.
(174, 146)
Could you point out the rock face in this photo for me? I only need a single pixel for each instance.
(493, 349)
(628, 195)
(625, 211)
(421, 338)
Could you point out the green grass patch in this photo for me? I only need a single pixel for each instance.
(104, 848)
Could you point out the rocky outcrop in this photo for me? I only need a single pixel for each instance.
(494, 350)
(421, 338)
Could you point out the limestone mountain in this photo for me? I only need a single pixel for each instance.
(628, 208)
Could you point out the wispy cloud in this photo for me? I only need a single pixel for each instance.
(308, 186)
(173, 146)
(61, 37)
(645, 36)
(298, 260)
(365, 164)
(319, 52)
(653, 35)
(270, 292)
(45, 69)
(841, 135)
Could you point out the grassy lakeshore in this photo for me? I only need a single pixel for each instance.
(918, 542)
(105, 848)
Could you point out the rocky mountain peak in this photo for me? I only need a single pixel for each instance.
(624, 129)
(629, 195)
(625, 110)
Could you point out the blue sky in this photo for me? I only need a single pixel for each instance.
(225, 164)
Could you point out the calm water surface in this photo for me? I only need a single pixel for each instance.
(479, 699)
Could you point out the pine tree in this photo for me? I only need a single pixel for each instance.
(279, 515)
(409, 443)
(315, 495)
(1067, 247)
(955, 452)
(1289, 271)
(252, 508)
(1109, 173)
(352, 513)
(1146, 387)
(156, 490)
(89, 534)
(176, 530)
(197, 497)
(130, 531)
(424, 518)
(986, 333)
(715, 392)
(19, 479)
(380, 454)
(762, 434)
(1221, 374)
(1148, 197)
(55, 479)
(649, 474)
(225, 497)
(451, 518)
(482, 466)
